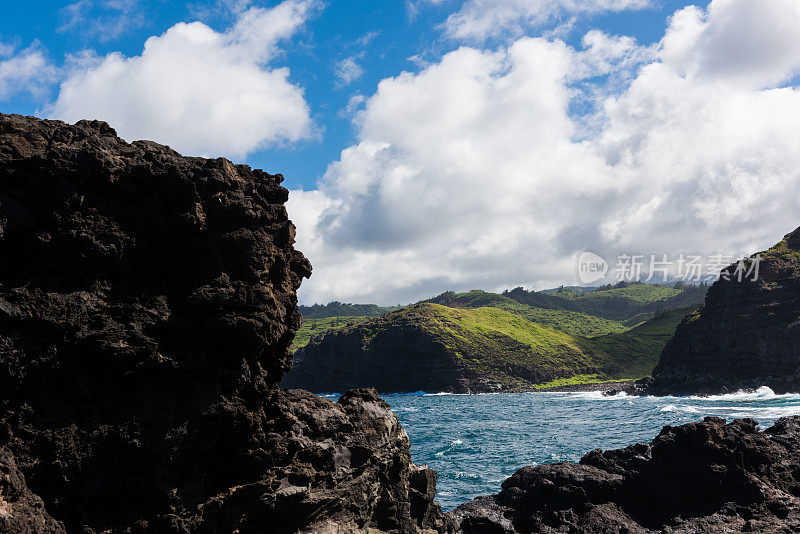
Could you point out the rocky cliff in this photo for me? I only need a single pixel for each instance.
(747, 335)
(699, 477)
(147, 304)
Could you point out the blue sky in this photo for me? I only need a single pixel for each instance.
(434, 145)
(395, 34)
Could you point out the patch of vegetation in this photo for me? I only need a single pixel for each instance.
(315, 327)
(607, 310)
(634, 354)
(568, 321)
(575, 323)
(788, 249)
(574, 380)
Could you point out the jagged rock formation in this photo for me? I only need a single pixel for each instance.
(147, 304)
(747, 335)
(326, 467)
(21, 511)
(699, 477)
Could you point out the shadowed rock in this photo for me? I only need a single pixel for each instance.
(21, 511)
(147, 304)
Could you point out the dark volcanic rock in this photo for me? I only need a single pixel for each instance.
(20, 510)
(701, 477)
(327, 467)
(747, 335)
(147, 303)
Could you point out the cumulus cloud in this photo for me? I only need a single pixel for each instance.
(756, 43)
(25, 71)
(473, 172)
(480, 19)
(198, 90)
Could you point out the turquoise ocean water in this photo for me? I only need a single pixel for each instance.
(475, 442)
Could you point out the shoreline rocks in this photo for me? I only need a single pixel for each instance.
(699, 477)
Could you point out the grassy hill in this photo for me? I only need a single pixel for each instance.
(314, 327)
(582, 313)
(486, 341)
(320, 318)
(434, 347)
(620, 303)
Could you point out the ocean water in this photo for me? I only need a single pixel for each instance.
(477, 441)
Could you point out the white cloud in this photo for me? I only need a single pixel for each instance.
(353, 104)
(472, 172)
(104, 20)
(26, 71)
(200, 91)
(741, 41)
(480, 19)
(348, 70)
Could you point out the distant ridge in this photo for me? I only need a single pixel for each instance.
(340, 309)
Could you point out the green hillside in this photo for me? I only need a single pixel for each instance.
(635, 353)
(486, 347)
(582, 313)
(572, 322)
(618, 303)
(313, 327)
(515, 340)
(320, 318)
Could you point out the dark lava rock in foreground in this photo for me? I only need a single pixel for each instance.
(20, 510)
(147, 304)
(707, 477)
(747, 335)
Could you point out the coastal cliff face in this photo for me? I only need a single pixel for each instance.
(147, 304)
(391, 354)
(699, 477)
(747, 335)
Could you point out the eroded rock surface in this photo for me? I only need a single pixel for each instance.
(700, 477)
(21, 511)
(147, 303)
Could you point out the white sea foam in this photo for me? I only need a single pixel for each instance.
(453, 444)
(761, 412)
(684, 409)
(761, 394)
(597, 395)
